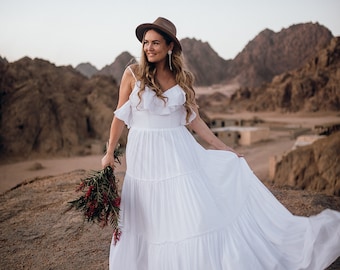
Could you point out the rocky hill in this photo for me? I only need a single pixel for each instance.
(87, 69)
(270, 54)
(114, 70)
(206, 65)
(117, 68)
(47, 109)
(264, 57)
(3, 61)
(58, 110)
(314, 87)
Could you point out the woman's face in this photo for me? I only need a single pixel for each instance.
(155, 47)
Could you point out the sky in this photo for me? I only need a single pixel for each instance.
(70, 32)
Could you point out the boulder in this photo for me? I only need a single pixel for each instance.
(313, 167)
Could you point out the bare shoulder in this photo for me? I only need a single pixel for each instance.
(127, 74)
(127, 84)
(133, 68)
(128, 79)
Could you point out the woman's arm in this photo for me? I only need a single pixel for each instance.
(117, 125)
(205, 133)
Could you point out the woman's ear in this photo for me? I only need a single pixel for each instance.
(171, 46)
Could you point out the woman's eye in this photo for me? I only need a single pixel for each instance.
(154, 43)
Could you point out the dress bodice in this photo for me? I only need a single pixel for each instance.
(153, 112)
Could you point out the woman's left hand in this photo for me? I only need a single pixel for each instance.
(236, 153)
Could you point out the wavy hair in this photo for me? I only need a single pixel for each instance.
(146, 71)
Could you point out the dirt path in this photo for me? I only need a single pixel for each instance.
(13, 174)
(16, 173)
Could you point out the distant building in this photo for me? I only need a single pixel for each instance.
(222, 122)
(232, 135)
(226, 122)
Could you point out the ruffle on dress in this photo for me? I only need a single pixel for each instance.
(174, 101)
(124, 113)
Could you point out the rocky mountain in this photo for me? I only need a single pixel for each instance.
(267, 55)
(117, 68)
(270, 54)
(206, 65)
(312, 167)
(314, 87)
(3, 61)
(87, 69)
(47, 109)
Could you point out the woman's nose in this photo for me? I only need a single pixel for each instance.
(149, 46)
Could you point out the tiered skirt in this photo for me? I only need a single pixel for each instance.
(187, 208)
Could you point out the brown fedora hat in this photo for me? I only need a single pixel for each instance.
(161, 24)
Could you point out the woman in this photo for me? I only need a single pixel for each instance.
(185, 207)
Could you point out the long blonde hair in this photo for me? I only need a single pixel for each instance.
(146, 71)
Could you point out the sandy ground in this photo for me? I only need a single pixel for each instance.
(258, 155)
(14, 174)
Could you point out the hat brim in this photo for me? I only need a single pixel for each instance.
(140, 30)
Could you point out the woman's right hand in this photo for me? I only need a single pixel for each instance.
(108, 160)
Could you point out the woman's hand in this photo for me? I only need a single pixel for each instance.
(238, 154)
(108, 160)
(232, 150)
(203, 131)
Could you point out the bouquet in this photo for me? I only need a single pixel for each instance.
(100, 201)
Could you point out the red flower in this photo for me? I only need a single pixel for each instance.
(116, 235)
(105, 198)
(88, 193)
(116, 202)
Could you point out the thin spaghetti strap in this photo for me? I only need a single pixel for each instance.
(133, 74)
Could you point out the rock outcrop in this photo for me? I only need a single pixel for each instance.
(206, 65)
(87, 69)
(267, 55)
(3, 61)
(117, 68)
(312, 167)
(47, 109)
(314, 87)
(270, 54)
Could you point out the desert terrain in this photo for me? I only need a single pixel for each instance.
(14, 172)
(39, 232)
(294, 70)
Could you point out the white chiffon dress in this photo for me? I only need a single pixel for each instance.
(188, 208)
